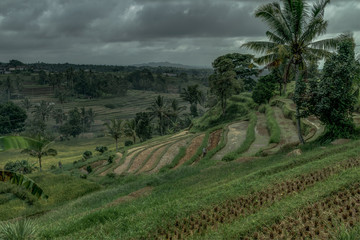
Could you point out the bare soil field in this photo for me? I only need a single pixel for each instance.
(191, 149)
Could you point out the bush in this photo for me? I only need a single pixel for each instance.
(89, 169)
(110, 175)
(272, 125)
(264, 89)
(229, 157)
(23, 229)
(22, 166)
(128, 143)
(87, 155)
(101, 149)
(111, 158)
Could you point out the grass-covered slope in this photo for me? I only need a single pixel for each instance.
(228, 201)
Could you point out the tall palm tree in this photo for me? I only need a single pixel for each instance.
(115, 130)
(40, 149)
(193, 95)
(159, 109)
(43, 110)
(294, 26)
(130, 129)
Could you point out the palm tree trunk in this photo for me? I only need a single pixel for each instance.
(116, 144)
(40, 163)
(298, 119)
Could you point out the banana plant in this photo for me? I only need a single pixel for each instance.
(16, 142)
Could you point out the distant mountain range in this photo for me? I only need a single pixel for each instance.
(168, 64)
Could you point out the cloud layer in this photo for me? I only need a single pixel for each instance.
(135, 31)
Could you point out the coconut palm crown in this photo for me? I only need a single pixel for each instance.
(293, 28)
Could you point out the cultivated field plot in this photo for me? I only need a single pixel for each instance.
(236, 135)
(276, 197)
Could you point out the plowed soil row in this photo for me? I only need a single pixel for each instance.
(214, 139)
(170, 154)
(127, 161)
(245, 205)
(153, 159)
(319, 220)
(191, 149)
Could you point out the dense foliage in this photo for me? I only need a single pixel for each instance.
(12, 118)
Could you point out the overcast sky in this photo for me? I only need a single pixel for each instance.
(123, 32)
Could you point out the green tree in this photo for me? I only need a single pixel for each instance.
(40, 149)
(332, 98)
(12, 118)
(26, 103)
(59, 116)
(72, 127)
(264, 89)
(194, 96)
(43, 110)
(143, 122)
(115, 130)
(130, 127)
(223, 81)
(294, 27)
(160, 110)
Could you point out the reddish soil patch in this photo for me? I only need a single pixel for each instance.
(214, 139)
(139, 193)
(153, 159)
(191, 150)
(170, 154)
(139, 159)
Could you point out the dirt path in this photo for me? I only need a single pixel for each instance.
(191, 149)
(139, 159)
(127, 161)
(261, 136)
(170, 154)
(236, 135)
(153, 159)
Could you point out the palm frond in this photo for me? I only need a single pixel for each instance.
(329, 44)
(259, 46)
(21, 180)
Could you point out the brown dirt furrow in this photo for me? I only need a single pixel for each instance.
(139, 193)
(126, 163)
(170, 154)
(139, 159)
(153, 159)
(214, 139)
(191, 149)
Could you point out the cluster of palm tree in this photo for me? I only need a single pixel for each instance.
(294, 26)
(118, 128)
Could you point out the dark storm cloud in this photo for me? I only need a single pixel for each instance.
(134, 31)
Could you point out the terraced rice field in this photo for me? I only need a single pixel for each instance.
(261, 136)
(236, 135)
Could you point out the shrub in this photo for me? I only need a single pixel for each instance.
(101, 149)
(75, 162)
(110, 175)
(89, 169)
(128, 143)
(22, 166)
(272, 125)
(111, 158)
(87, 154)
(23, 229)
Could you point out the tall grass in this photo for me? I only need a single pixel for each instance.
(272, 125)
(20, 230)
